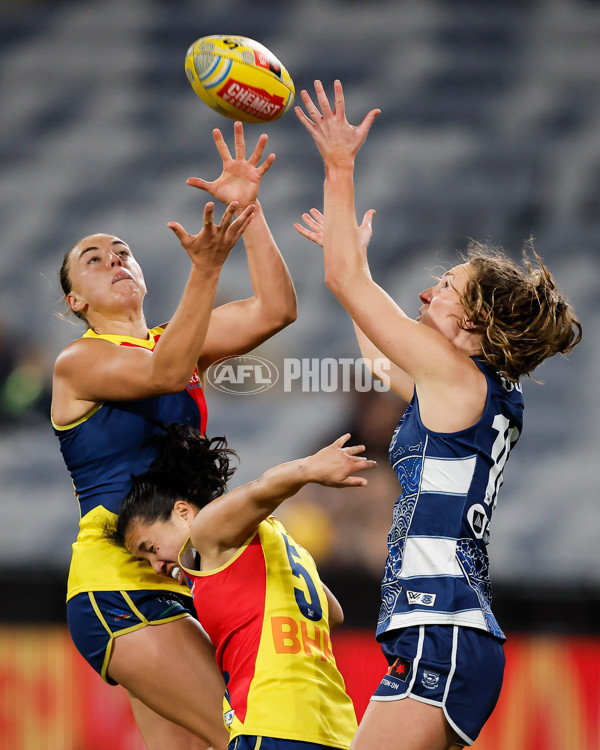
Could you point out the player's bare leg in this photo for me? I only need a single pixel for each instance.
(159, 733)
(171, 668)
(404, 724)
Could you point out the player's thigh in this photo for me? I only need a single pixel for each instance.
(405, 724)
(97, 618)
(172, 669)
(159, 733)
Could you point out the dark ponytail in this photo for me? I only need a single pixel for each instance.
(188, 466)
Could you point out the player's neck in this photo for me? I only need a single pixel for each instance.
(134, 326)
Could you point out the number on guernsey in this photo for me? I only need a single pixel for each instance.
(505, 439)
(310, 608)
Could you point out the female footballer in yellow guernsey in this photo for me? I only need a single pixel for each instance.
(257, 592)
(110, 388)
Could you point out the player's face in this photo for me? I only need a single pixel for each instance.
(104, 275)
(158, 542)
(442, 308)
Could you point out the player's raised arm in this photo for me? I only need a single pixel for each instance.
(106, 288)
(237, 327)
(379, 364)
(414, 348)
(226, 523)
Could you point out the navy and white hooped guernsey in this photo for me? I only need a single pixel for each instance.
(437, 566)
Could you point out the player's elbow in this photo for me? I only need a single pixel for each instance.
(336, 613)
(286, 311)
(288, 315)
(336, 618)
(274, 319)
(172, 381)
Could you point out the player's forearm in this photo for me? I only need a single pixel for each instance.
(277, 484)
(270, 278)
(230, 520)
(343, 255)
(179, 348)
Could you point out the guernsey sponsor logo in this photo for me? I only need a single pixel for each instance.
(480, 522)
(420, 597)
(254, 101)
(292, 637)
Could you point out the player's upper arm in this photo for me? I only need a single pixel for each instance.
(97, 370)
(383, 368)
(413, 347)
(236, 328)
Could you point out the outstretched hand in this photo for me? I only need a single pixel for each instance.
(314, 227)
(211, 246)
(338, 141)
(336, 465)
(240, 179)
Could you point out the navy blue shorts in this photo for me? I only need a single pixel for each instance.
(96, 618)
(244, 742)
(458, 669)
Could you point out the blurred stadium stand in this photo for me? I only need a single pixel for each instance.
(490, 129)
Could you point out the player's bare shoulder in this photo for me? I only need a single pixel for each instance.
(79, 353)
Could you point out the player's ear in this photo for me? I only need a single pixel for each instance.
(75, 302)
(183, 510)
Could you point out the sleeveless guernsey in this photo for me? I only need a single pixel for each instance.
(437, 566)
(102, 450)
(266, 613)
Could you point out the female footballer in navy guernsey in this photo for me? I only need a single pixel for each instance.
(110, 389)
(481, 327)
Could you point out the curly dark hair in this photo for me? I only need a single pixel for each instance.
(187, 466)
(521, 314)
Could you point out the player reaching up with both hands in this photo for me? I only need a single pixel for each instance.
(110, 389)
(481, 327)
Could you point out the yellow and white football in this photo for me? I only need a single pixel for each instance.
(239, 78)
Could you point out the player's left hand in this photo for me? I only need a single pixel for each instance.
(314, 227)
(210, 247)
(337, 140)
(240, 179)
(336, 464)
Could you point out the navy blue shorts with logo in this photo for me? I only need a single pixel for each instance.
(96, 618)
(459, 669)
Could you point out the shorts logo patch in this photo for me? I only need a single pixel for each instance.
(420, 597)
(430, 679)
(123, 615)
(401, 669)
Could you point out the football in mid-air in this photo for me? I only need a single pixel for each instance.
(239, 78)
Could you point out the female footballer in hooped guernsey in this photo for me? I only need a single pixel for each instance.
(110, 389)
(483, 325)
(257, 592)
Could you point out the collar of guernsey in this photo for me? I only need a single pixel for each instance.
(97, 564)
